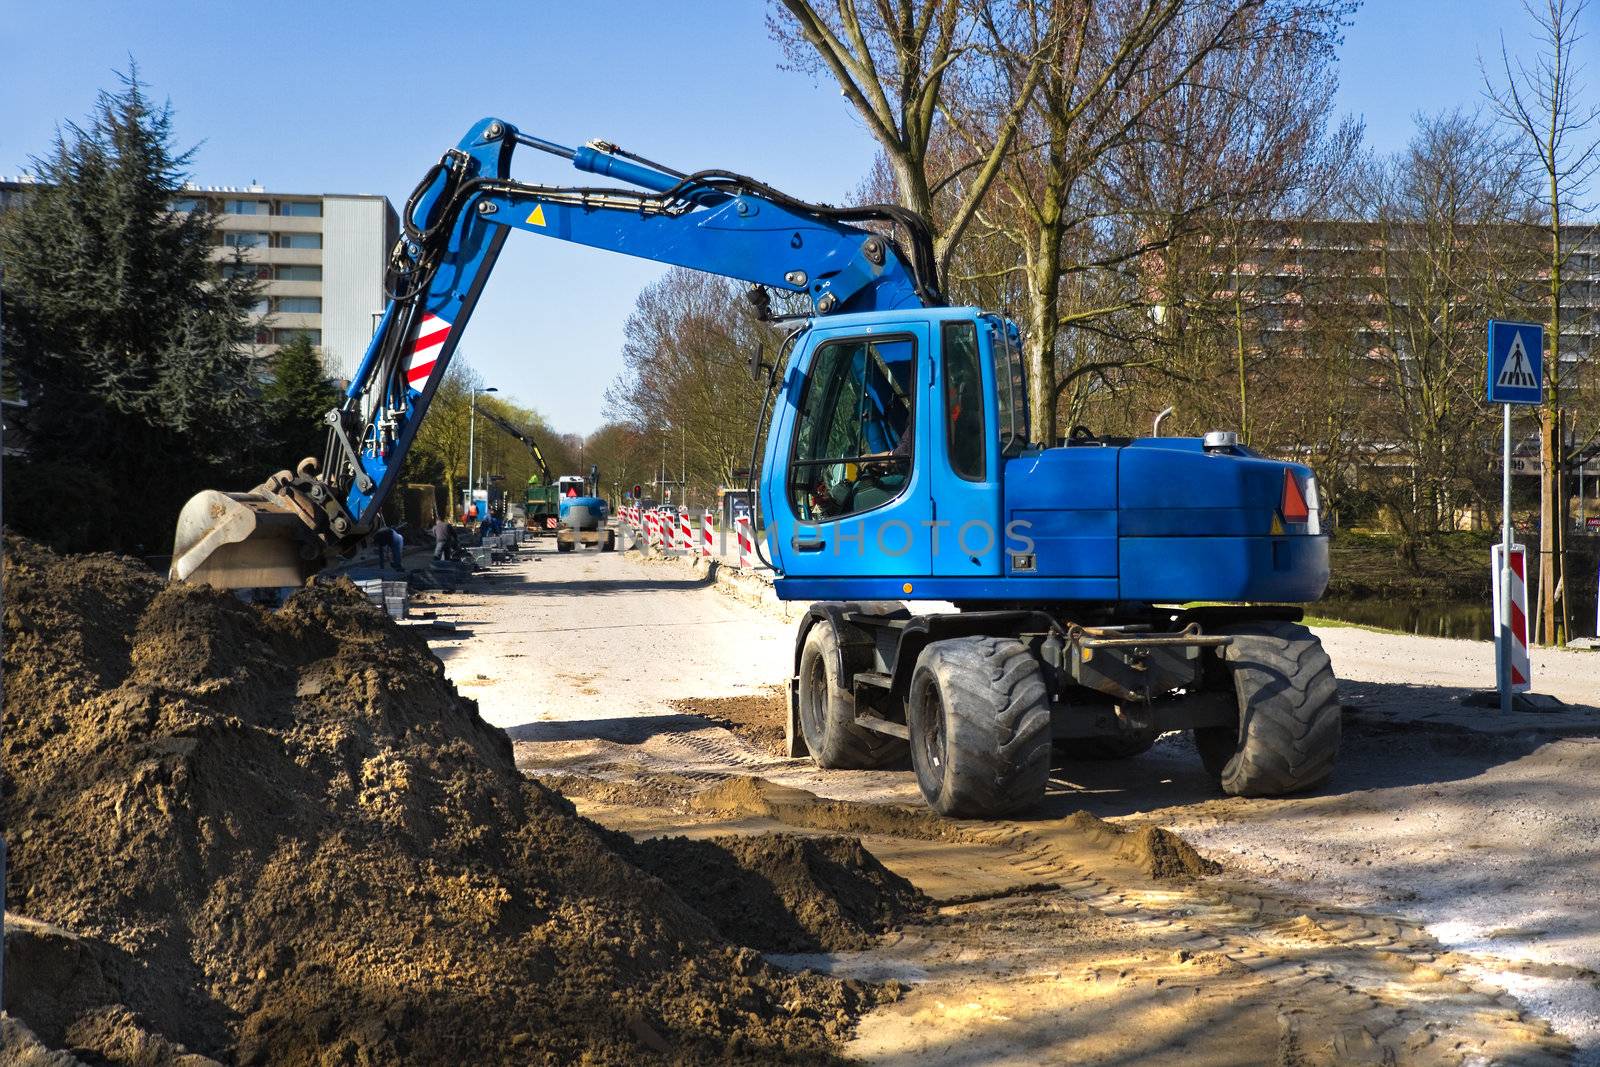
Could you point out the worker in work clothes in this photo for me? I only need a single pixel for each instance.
(389, 543)
(441, 537)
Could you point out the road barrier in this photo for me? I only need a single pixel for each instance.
(705, 535)
(747, 544)
(1521, 671)
(685, 534)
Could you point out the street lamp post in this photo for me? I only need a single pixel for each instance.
(472, 436)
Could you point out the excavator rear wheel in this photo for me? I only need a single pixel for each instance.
(1287, 738)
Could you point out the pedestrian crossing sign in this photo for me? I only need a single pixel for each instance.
(1516, 362)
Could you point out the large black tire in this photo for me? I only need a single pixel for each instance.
(610, 543)
(979, 716)
(1287, 738)
(828, 704)
(565, 546)
(1118, 746)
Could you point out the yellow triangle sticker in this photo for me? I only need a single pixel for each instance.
(536, 218)
(1277, 527)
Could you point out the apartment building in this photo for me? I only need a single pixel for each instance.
(1291, 274)
(318, 257)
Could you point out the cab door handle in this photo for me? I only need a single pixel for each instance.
(807, 546)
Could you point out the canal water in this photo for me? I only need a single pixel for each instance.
(1471, 619)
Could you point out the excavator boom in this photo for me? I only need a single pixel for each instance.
(454, 224)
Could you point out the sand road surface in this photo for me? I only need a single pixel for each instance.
(1429, 905)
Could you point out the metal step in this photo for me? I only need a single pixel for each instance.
(876, 678)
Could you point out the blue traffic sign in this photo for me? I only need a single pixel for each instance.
(1516, 362)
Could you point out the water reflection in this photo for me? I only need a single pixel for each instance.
(1470, 619)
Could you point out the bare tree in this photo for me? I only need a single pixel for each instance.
(1442, 265)
(1153, 116)
(1543, 103)
(686, 382)
(892, 60)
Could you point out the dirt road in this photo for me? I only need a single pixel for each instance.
(1384, 918)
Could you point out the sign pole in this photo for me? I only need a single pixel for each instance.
(1503, 650)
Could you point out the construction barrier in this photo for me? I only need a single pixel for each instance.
(1521, 668)
(705, 536)
(747, 544)
(685, 534)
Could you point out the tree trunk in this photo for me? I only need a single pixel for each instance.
(1044, 285)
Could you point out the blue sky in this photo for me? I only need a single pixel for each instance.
(361, 97)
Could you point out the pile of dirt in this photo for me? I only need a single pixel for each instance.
(785, 892)
(758, 720)
(763, 798)
(282, 837)
(1158, 852)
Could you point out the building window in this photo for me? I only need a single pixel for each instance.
(259, 307)
(246, 207)
(245, 239)
(303, 209)
(300, 305)
(299, 274)
(188, 204)
(285, 336)
(299, 240)
(254, 271)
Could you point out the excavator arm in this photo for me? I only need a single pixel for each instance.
(454, 224)
(527, 440)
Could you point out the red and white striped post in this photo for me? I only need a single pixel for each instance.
(685, 533)
(705, 535)
(747, 544)
(1518, 668)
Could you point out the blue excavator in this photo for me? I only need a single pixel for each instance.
(541, 506)
(1093, 592)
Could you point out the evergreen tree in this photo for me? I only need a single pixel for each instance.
(294, 400)
(119, 335)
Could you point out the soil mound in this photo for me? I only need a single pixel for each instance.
(758, 719)
(282, 837)
(798, 807)
(1157, 852)
(785, 892)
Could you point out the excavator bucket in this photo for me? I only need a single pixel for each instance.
(242, 541)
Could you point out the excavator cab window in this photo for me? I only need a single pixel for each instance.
(853, 439)
(963, 387)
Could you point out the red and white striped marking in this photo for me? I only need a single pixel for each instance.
(431, 336)
(705, 536)
(747, 544)
(685, 533)
(1521, 666)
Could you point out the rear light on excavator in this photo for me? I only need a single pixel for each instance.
(1294, 507)
(1301, 506)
